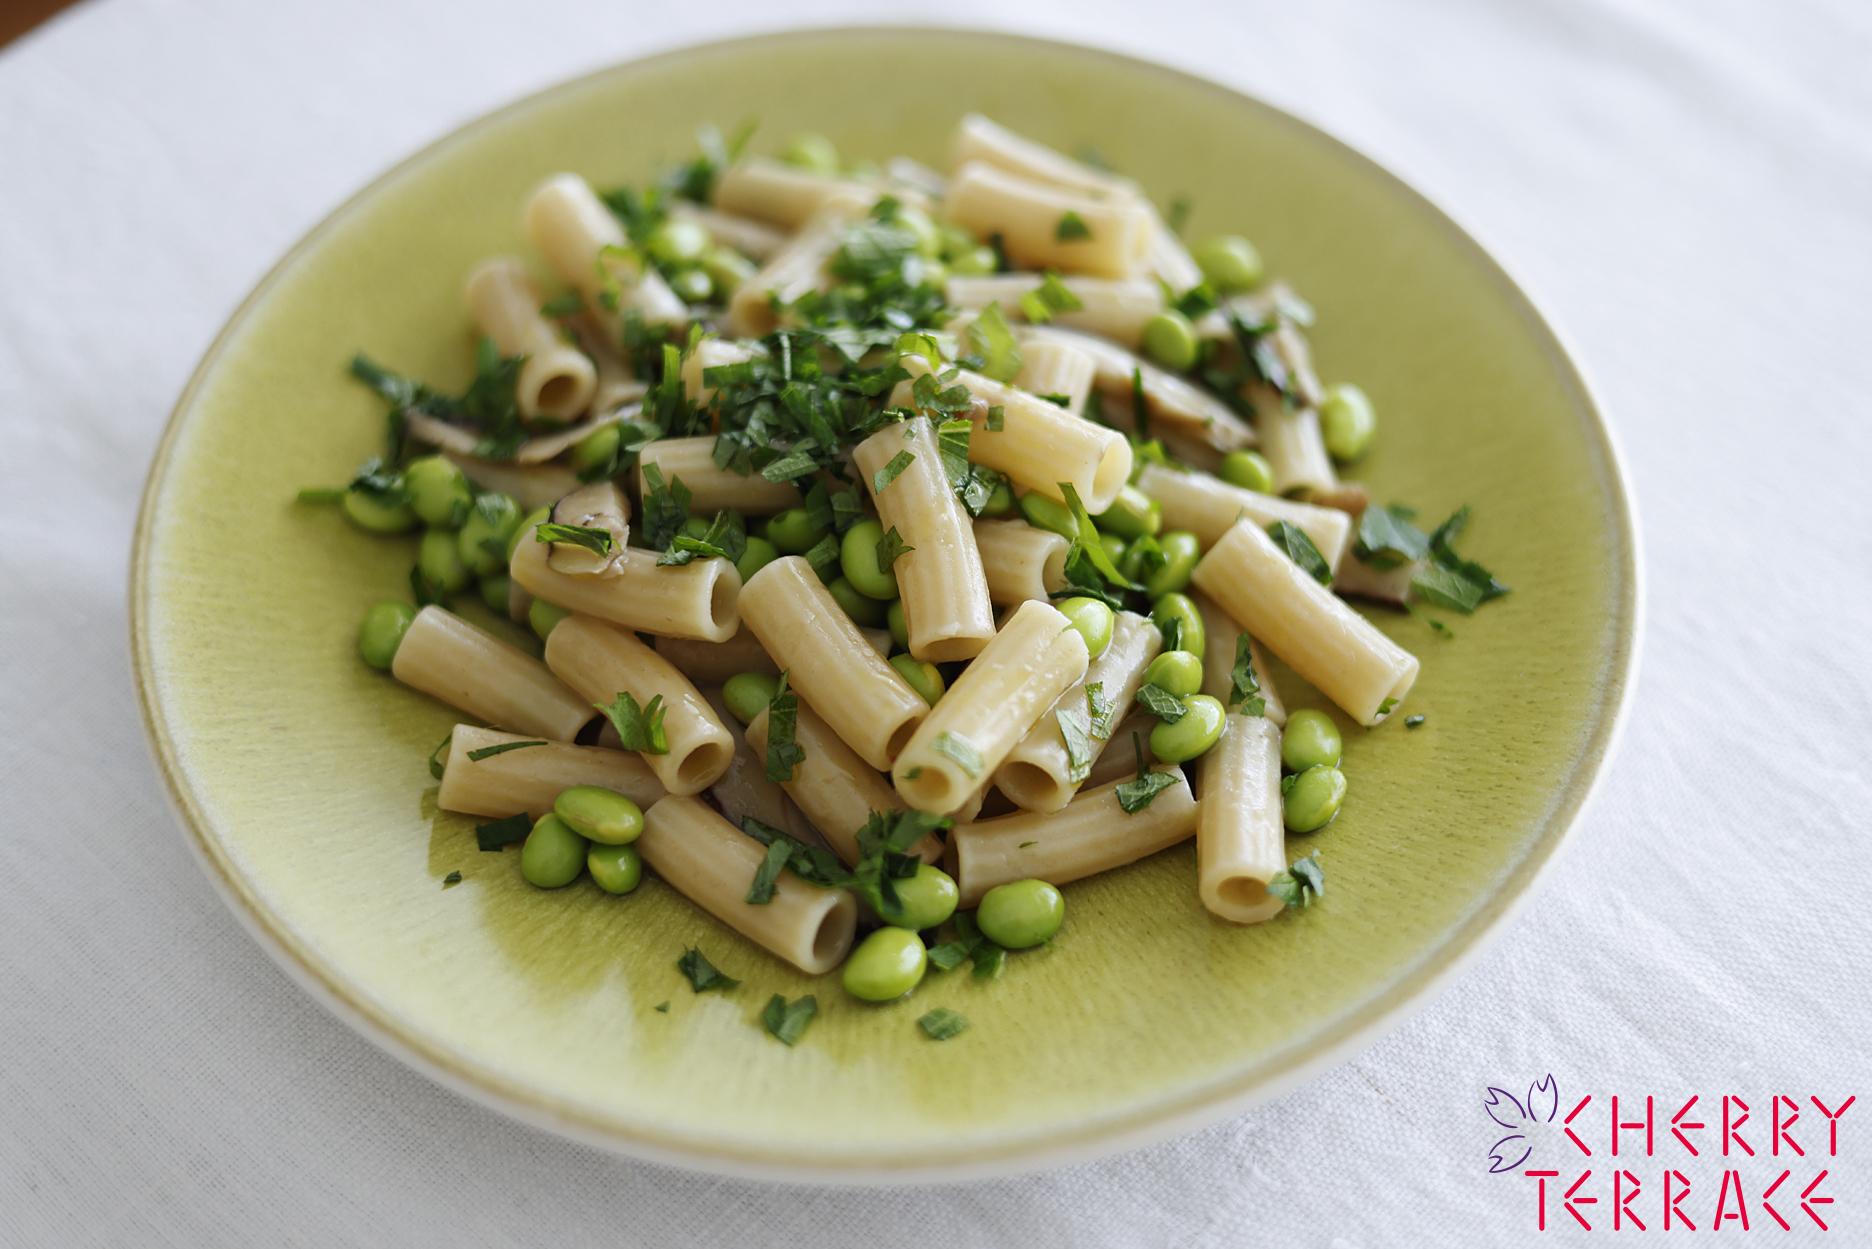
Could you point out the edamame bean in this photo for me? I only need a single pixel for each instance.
(1114, 547)
(865, 611)
(955, 240)
(1311, 739)
(1000, 500)
(615, 869)
(1176, 672)
(898, 626)
(858, 560)
(1312, 800)
(923, 900)
(1230, 263)
(727, 268)
(1021, 914)
(692, 286)
(756, 555)
(439, 493)
(915, 220)
(1044, 513)
(886, 965)
(748, 693)
(1347, 422)
(1140, 557)
(810, 150)
(542, 616)
(1179, 622)
(495, 591)
(924, 677)
(678, 242)
(1093, 620)
(382, 630)
(1199, 729)
(793, 532)
(594, 452)
(483, 540)
(553, 855)
(1249, 470)
(602, 815)
(1133, 514)
(1181, 550)
(376, 513)
(523, 532)
(974, 262)
(695, 526)
(439, 563)
(1170, 340)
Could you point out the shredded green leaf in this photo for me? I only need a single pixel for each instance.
(761, 890)
(702, 974)
(597, 541)
(1135, 795)
(1299, 548)
(435, 756)
(1244, 685)
(1071, 228)
(1161, 703)
(890, 546)
(486, 752)
(639, 728)
(990, 339)
(500, 834)
(1076, 733)
(451, 880)
(783, 753)
(961, 750)
(942, 1023)
(891, 471)
(787, 1021)
(1301, 883)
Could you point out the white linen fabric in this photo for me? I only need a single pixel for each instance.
(1686, 186)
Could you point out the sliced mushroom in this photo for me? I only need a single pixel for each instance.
(531, 485)
(600, 505)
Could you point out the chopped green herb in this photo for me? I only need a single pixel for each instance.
(1099, 710)
(1177, 216)
(1196, 302)
(1071, 228)
(1076, 732)
(1161, 703)
(1140, 407)
(1386, 537)
(562, 305)
(761, 890)
(1135, 795)
(961, 750)
(1088, 544)
(813, 864)
(1451, 581)
(500, 834)
(797, 463)
(971, 483)
(1026, 844)
(1411, 722)
(890, 546)
(884, 845)
(1384, 708)
(992, 342)
(639, 728)
(1244, 685)
(949, 955)
(1288, 782)
(451, 880)
(996, 420)
(665, 507)
(786, 1021)
(1299, 548)
(891, 471)
(783, 753)
(320, 494)
(989, 960)
(435, 756)
(703, 975)
(597, 541)
(1052, 296)
(1301, 883)
(943, 1023)
(725, 538)
(488, 752)
(662, 1007)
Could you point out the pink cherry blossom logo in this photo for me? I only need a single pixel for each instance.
(1522, 1121)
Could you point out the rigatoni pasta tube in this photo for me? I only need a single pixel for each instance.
(601, 662)
(710, 353)
(528, 779)
(557, 381)
(1293, 444)
(836, 789)
(1036, 657)
(1182, 413)
(447, 658)
(1207, 506)
(1038, 773)
(977, 138)
(744, 792)
(1353, 576)
(1220, 631)
(946, 608)
(829, 662)
(1092, 834)
(1057, 369)
(599, 505)
(1323, 640)
(1115, 308)
(1020, 560)
(784, 195)
(583, 243)
(794, 270)
(1240, 845)
(1113, 242)
(711, 862)
(693, 600)
(754, 239)
(692, 460)
(1039, 444)
(711, 663)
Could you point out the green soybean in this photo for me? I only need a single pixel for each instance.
(376, 513)
(692, 286)
(748, 693)
(495, 592)
(923, 677)
(1093, 619)
(1311, 739)
(439, 493)
(542, 616)
(1114, 547)
(812, 151)
(886, 965)
(523, 532)
(484, 537)
(615, 869)
(974, 262)
(1229, 262)
(1133, 514)
(923, 900)
(1347, 422)
(1000, 500)
(1313, 799)
(1199, 729)
(756, 555)
(1021, 914)
(955, 240)
(553, 855)
(382, 630)
(591, 454)
(929, 238)
(898, 626)
(793, 532)
(1181, 550)
(1044, 513)
(439, 563)
(1178, 672)
(678, 242)
(727, 268)
(1248, 469)
(866, 611)
(1179, 622)
(602, 815)
(1170, 340)
(858, 560)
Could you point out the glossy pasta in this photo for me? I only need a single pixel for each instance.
(694, 600)
(449, 659)
(526, 779)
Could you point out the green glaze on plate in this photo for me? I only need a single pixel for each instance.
(301, 774)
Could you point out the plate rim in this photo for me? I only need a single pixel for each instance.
(1149, 1122)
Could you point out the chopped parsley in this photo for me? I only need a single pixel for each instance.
(1177, 216)
(1387, 538)
(783, 753)
(1076, 734)
(1161, 703)
(662, 1008)
(761, 890)
(891, 471)
(500, 834)
(665, 507)
(1140, 407)
(1099, 710)
(488, 407)
(488, 752)
(1244, 685)
(435, 756)
(991, 342)
(961, 750)
(786, 1021)
(943, 1023)
(884, 845)
(1052, 296)
(969, 943)
(703, 975)
(824, 557)
(1299, 548)
(1087, 542)
(989, 960)
(597, 541)
(563, 305)
(1384, 708)
(1135, 795)
(1196, 302)
(725, 537)
(813, 864)
(1071, 228)
(1411, 722)
(639, 728)
(949, 955)
(320, 494)
(1449, 580)
(890, 546)
(451, 880)
(1301, 883)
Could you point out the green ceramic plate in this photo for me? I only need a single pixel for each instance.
(300, 775)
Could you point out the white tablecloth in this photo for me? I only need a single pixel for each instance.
(1686, 187)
